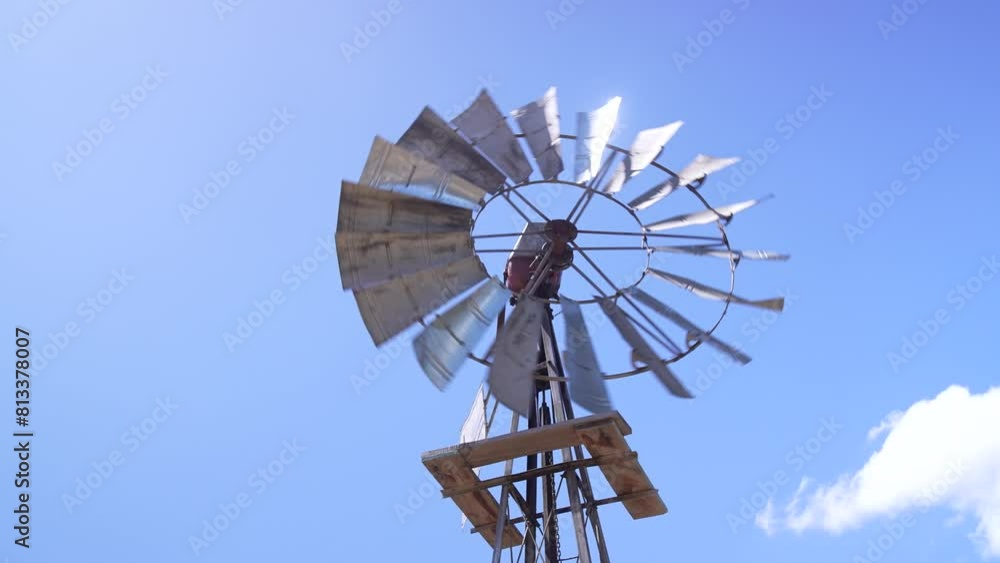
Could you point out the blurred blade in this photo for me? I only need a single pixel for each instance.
(484, 125)
(681, 321)
(716, 252)
(364, 209)
(512, 375)
(642, 350)
(702, 166)
(539, 121)
(431, 138)
(394, 169)
(445, 344)
(586, 382)
(592, 133)
(368, 259)
(703, 217)
(654, 194)
(647, 146)
(706, 292)
(474, 428)
(391, 307)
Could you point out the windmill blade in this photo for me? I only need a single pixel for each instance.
(446, 343)
(593, 131)
(431, 138)
(539, 121)
(647, 146)
(664, 310)
(654, 194)
(368, 259)
(484, 125)
(702, 166)
(586, 382)
(642, 350)
(716, 252)
(394, 169)
(391, 307)
(512, 375)
(703, 217)
(475, 427)
(706, 292)
(364, 209)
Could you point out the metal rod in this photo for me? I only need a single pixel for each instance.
(501, 235)
(506, 197)
(531, 205)
(525, 475)
(504, 496)
(566, 509)
(581, 248)
(663, 235)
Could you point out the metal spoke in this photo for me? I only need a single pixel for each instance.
(581, 248)
(506, 197)
(502, 235)
(531, 205)
(717, 240)
(591, 188)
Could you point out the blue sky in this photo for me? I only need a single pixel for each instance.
(133, 292)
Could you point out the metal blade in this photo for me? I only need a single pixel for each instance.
(702, 166)
(586, 382)
(431, 138)
(364, 209)
(484, 125)
(716, 252)
(445, 344)
(368, 259)
(703, 217)
(642, 350)
(681, 321)
(539, 121)
(394, 169)
(647, 146)
(391, 307)
(512, 375)
(592, 133)
(706, 292)
(474, 428)
(654, 194)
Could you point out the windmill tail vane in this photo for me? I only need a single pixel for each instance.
(410, 253)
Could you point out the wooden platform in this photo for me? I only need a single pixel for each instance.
(603, 435)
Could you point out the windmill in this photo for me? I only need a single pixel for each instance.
(410, 251)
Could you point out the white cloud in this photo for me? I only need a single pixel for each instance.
(943, 451)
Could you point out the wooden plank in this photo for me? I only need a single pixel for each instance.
(480, 506)
(542, 439)
(625, 476)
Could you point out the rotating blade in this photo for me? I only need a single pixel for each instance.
(539, 121)
(512, 375)
(431, 138)
(703, 217)
(475, 427)
(586, 382)
(593, 130)
(642, 350)
(706, 292)
(654, 194)
(389, 308)
(368, 259)
(445, 344)
(395, 169)
(702, 166)
(647, 146)
(487, 128)
(364, 209)
(664, 310)
(716, 252)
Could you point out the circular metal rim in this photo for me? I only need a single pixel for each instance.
(720, 224)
